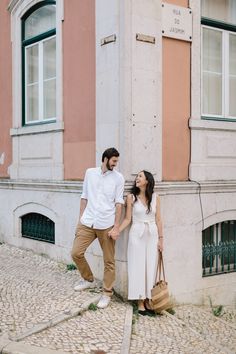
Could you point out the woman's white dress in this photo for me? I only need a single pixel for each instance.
(142, 250)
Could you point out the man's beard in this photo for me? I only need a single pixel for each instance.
(110, 168)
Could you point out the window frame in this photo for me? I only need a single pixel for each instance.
(25, 43)
(226, 29)
(217, 263)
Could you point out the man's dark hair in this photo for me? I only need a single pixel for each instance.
(109, 153)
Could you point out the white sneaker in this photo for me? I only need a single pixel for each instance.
(103, 302)
(84, 284)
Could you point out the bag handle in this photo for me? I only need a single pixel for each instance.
(160, 268)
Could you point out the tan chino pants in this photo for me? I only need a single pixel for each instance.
(83, 238)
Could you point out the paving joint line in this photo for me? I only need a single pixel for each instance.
(56, 320)
(12, 347)
(214, 344)
(4, 342)
(125, 345)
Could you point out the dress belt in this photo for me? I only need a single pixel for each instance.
(142, 224)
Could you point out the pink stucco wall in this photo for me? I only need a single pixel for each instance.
(176, 106)
(79, 86)
(5, 89)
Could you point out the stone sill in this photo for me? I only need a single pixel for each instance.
(38, 129)
(163, 188)
(201, 124)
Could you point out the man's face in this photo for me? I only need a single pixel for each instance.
(112, 162)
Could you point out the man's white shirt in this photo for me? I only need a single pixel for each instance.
(102, 191)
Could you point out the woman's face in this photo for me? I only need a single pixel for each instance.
(141, 180)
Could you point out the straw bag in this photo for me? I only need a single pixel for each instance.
(160, 300)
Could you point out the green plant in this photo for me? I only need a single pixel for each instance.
(135, 308)
(118, 296)
(216, 310)
(92, 307)
(70, 266)
(44, 255)
(94, 291)
(171, 311)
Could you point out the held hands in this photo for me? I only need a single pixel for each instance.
(160, 244)
(114, 233)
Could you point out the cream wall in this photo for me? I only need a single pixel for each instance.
(213, 147)
(128, 86)
(5, 89)
(37, 149)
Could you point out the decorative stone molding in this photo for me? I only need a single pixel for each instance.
(35, 208)
(31, 208)
(201, 124)
(162, 188)
(38, 129)
(216, 218)
(49, 186)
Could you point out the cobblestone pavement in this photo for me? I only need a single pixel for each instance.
(35, 289)
(163, 334)
(200, 320)
(92, 331)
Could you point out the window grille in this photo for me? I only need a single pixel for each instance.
(219, 248)
(38, 227)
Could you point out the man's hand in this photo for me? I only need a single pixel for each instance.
(114, 233)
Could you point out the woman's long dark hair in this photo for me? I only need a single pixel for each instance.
(149, 189)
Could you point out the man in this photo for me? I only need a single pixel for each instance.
(100, 213)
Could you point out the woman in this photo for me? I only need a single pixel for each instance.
(145, 238)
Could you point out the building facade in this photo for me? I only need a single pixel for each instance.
(155, 79)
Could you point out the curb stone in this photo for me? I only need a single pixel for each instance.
(4, 342)
(10, 347)
(56, 320)
(125, 346)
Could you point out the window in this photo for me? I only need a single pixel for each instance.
(38, 227)
(219, 248)
(219, 59)
(39, 63)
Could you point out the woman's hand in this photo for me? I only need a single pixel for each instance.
(114, 233)
(160, 244)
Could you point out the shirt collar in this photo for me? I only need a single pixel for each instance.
(106, 173)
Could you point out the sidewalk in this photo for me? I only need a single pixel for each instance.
(40, 313)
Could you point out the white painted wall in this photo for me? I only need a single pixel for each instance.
(182, 221)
